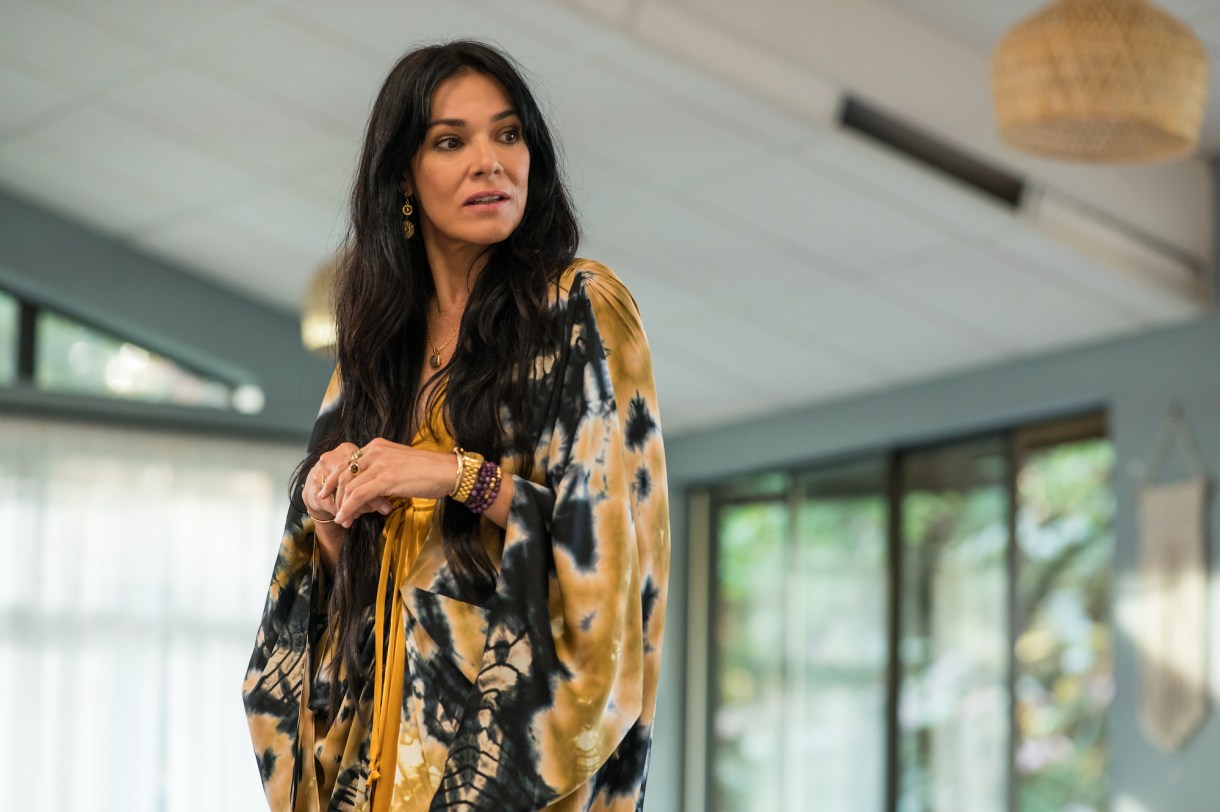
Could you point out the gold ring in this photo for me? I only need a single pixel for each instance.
(357, 454)
(355, 468)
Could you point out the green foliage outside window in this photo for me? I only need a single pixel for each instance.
(1065, 651)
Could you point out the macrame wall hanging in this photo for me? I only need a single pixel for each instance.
(1173, 569)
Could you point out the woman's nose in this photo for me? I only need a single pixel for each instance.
(487, 160)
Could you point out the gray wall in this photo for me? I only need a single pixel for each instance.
(1134, 379)
(58, 263)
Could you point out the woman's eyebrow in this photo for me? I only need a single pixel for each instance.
(458, 122)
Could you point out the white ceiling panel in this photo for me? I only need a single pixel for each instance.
(311, 222)
(712, 254)
(389, 29)
(158, 25)
(685, 87)
(824, 216)
(1189, 10)
(237, 257)
(232, 121)
(565, 31)
(901, 336)
(603, 187)
(1208, 29)
(668, 309)
(333, 82)
(889, 176)
(739, 338)
(79, 186)
(692, 394)
(1001, 299)
(654, 135)
(985, 23)
(26, 97)
(1135, 297)
(974, 22)
(334, 173)
(65, 46)
(140, 150)
(769, 360)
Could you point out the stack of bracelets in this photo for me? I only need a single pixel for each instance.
(478, 481)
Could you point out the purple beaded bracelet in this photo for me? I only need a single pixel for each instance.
(486, 488)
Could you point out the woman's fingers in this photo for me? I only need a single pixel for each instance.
(364, 493)
(316, 506)
(362, 496)
(330, 469)
(360, 480)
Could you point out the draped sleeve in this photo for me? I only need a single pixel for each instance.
(276, 681)
(560, 713)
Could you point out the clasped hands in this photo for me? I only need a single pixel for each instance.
(338, 491)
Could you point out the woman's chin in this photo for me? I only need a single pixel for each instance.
(483, 236)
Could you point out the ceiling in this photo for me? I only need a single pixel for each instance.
(777, 259)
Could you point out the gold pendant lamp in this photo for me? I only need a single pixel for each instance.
(318, 313)
(1105, 81)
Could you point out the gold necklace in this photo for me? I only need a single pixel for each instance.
(435, 358)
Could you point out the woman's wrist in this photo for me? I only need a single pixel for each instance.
(329, 540)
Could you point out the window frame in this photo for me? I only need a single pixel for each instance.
(704, 504)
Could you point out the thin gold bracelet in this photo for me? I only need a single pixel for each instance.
(317, 520)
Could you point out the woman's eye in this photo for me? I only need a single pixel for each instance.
(512, 136)
(448, 142)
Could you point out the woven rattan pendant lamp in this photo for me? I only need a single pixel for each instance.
(1101, 81)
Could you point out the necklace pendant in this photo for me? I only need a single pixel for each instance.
(435, 360)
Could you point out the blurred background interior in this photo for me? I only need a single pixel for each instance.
(920, 387)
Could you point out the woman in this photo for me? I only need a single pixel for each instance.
(448, 629)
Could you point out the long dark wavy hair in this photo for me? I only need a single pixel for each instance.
(382, 295)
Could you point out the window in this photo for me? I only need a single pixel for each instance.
(135, 568)
(74, 358)
(800, 648)
(953, 719)
(67, 356)
(915, 632)
(8, 338)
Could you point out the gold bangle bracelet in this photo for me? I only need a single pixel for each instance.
(317, 520)
(461, 469)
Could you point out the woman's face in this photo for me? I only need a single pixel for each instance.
(470, 177)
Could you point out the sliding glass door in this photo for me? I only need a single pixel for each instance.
(953, 714)
(921, 631)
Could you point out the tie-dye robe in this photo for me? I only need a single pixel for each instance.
(543, 696)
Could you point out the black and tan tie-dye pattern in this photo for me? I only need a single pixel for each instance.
(542, 698)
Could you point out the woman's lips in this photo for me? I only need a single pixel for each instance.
(490, 205)
(480, 198)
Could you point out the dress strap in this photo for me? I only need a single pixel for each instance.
(387, 679)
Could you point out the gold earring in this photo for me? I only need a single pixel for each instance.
(408, 228)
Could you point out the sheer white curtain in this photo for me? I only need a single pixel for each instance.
(133, 566)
